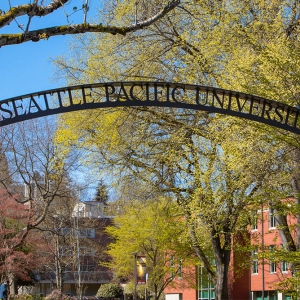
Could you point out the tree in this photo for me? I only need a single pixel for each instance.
(101, 193)
(30, 152)
(60, 239)
(19, 257)
(39, 9)
(157, 229)
(214, 167)
(269, 67)
(110, 290)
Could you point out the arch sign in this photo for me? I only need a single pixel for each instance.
(144, 93)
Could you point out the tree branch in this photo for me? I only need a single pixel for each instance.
(30, 9)
(45, 33)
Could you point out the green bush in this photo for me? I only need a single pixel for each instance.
(37, 297)
(110, 290)
(27, 297)
(140, 290)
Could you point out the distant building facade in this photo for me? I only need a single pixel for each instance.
(253, 282)
(89, 241)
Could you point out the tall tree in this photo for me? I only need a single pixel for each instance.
(40, 169)
(213, 166)
(155, 229)
(19, 257)
(212, 170)
(101, 193)
(268, 66)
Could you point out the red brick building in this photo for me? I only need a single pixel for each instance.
(253, 282)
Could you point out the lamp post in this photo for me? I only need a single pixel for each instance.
(262, 249)
(135, 275)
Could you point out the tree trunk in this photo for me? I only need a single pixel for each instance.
(13, 286)
(221, 253)
(58, 274)
(222, 257)
(221, 287)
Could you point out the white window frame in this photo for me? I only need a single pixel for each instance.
(272, 263)
(283, 263)
(172, 267)
(254, 218)
(179, 266)
(254, 261)
(272, 224)
(208, 287)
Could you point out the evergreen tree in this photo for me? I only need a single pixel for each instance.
(101, 193)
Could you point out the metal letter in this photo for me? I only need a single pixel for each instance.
(6, 111)
(278, 114)
(107, 93)
(218, 99)
(239, 104)
(124, 92)
(35, 103)
(267, 111)
(174, 90)
(15, 107)
(131, 92)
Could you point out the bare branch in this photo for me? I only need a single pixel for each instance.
(36, 35)
(30, 9)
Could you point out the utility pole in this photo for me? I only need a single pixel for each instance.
(78, 252)
(262, 249)
(135, 275)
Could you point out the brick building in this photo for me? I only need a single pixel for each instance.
(254, 281)
(263, 276)
(83, 251)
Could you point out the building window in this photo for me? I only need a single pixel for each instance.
(179, 265)
(83, 251)
(284, 264)
(91, 233)
(272, 262)
(83, 232)
(91, 252)
(65, 231)
(86, 233)
(270, 295)
(206, 288)
(65, 251)
(172, 266)
(254, 261)
(87, 269)
(271, 218)
(254, 220)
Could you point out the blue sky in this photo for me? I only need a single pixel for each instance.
(27, 67)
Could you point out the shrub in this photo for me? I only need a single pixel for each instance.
(26, 297)
(37, 297)
(110, 290)
(140, 290)
(58, 295)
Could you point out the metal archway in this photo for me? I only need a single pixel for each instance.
(144, 93)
